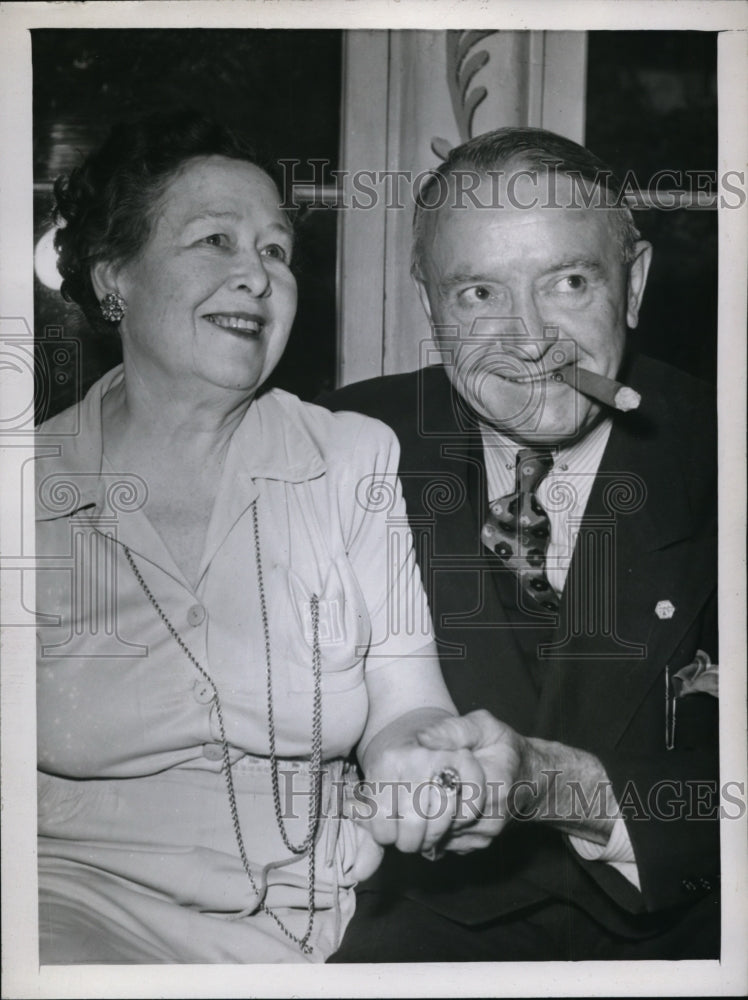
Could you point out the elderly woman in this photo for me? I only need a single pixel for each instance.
(225, 585)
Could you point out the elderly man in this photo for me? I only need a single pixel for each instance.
(561, 492)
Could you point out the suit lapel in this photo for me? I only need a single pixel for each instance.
(480, 657)
(639, 506)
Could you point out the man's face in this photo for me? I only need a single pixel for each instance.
(516, 292)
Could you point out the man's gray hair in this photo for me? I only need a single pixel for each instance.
(529, 148)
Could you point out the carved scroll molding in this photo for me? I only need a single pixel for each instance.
(498, 78)
(464, 60)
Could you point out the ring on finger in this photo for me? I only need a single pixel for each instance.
(448, 779)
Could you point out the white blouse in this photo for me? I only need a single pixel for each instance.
(117, 697)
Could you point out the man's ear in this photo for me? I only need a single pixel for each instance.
(104, 276)
(423, 295)
(638, 271)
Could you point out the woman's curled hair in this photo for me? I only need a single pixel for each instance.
(105, 207)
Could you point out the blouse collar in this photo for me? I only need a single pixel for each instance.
(271, 442)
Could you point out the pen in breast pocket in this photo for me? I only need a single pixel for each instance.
(670, 712)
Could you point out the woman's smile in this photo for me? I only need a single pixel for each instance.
(237, 322)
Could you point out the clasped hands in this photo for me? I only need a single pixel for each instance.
(427, 791)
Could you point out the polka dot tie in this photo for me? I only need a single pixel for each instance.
(518, 529)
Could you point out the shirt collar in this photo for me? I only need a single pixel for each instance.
(499, 451)
(69, 454)
(272, 442)
(587, 450)
(570, 454)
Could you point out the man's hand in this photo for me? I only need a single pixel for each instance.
(526, 779)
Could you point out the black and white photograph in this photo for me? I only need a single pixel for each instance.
(373, 512)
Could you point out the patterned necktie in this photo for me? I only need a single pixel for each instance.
(518, 530)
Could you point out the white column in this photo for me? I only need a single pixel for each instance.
(360, 271)
(419, 111)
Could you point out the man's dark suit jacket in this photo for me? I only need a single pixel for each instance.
(648, 536)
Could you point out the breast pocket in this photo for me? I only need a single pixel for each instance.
(336, 622)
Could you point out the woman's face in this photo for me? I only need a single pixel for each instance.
(211, 295)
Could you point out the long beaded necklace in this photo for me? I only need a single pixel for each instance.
(307, 845)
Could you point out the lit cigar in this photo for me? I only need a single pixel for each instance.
(599, 387)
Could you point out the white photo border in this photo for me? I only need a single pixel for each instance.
(22, 977)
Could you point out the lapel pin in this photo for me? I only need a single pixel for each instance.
(664, 609)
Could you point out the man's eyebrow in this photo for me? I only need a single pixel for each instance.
(281, 227)
(589, 264)
(463, 278)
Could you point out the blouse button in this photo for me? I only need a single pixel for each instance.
(212, 751)
(196, 614)
(202, 692)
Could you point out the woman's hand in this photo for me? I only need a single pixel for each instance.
(412, 796)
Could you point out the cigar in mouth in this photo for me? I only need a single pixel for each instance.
(600, 387)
